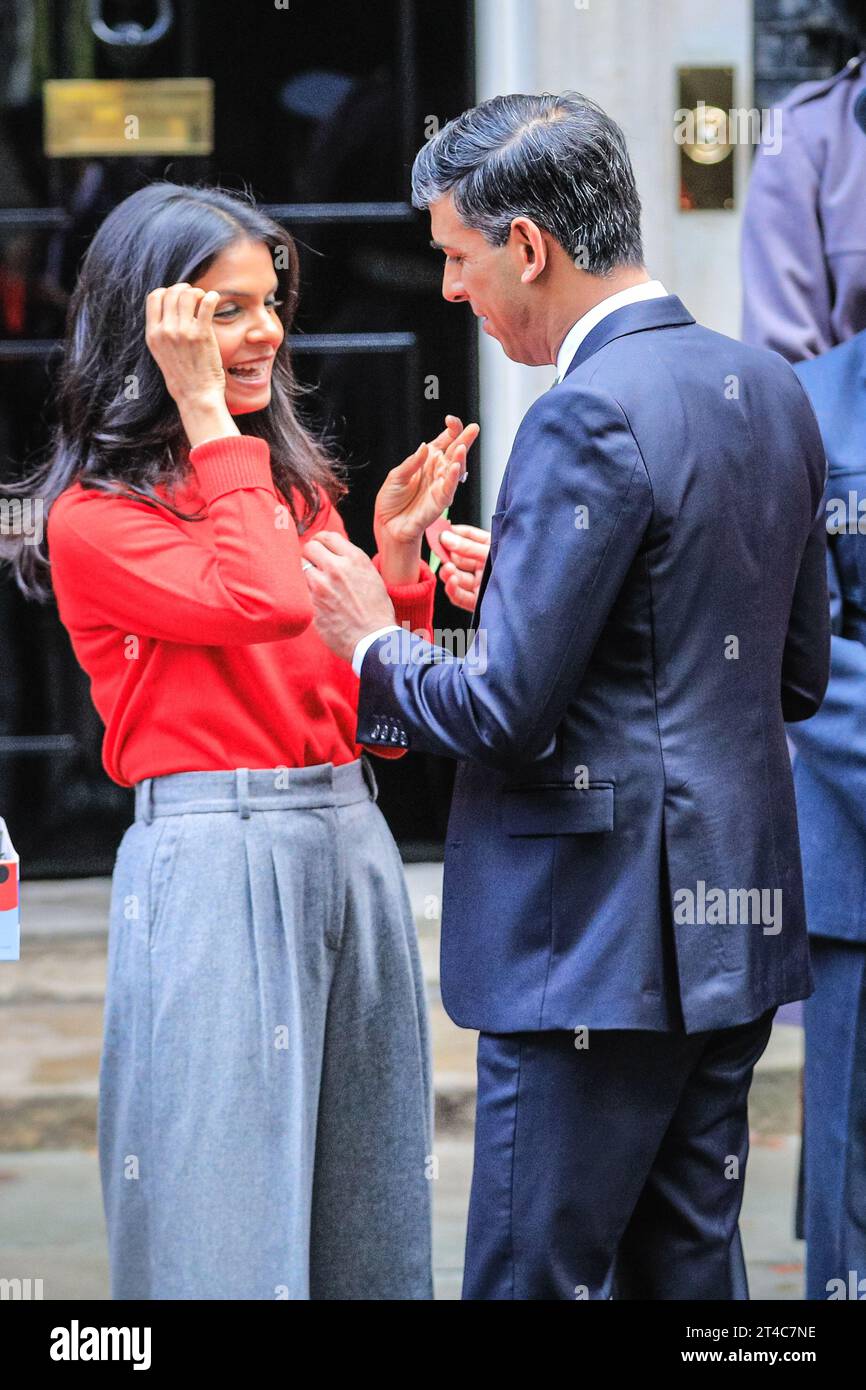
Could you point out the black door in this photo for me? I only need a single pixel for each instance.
(318, 109)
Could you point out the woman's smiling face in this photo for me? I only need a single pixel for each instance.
(246, 323)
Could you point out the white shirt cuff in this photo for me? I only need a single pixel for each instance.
(365, 642)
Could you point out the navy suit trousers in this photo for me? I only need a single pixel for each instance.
(834, 1135)
(614, 1169)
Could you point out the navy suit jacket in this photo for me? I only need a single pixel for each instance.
(654, 610)
(830, 767)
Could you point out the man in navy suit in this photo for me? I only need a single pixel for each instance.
(623, 902)
(830, 780)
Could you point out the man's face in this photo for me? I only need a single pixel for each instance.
(487, 278)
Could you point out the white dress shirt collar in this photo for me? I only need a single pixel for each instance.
(649, 289)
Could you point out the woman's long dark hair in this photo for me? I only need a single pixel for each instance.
(119, 430)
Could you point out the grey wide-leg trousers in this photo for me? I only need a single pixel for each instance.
(265, 1106)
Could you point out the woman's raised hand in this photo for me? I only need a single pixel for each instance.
(180, 336)
(419, 489)
(179, 333)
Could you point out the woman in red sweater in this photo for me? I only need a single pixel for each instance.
(265, 1109)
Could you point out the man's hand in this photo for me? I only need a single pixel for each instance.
(467, 548)
(348, 593)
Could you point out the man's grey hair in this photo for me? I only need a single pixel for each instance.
(559, 160)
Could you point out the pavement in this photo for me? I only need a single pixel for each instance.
(51, 1221)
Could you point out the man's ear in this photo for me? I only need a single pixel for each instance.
(531, 247)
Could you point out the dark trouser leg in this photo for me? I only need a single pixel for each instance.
(564, 1139)
(834, 1162)
(682, 1241)
(566, 1146)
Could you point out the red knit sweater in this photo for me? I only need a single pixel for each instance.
(197, 636)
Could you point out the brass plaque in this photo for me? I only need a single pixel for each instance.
(166, 115)
(707, 130)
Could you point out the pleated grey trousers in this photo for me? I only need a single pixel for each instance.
(265, 1102)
